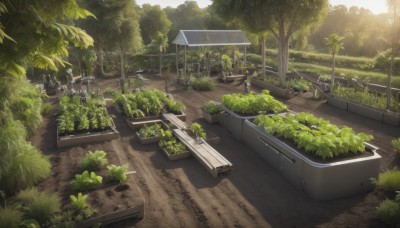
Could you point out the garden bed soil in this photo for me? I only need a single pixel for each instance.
(182, 193)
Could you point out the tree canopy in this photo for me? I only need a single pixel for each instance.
(153, 20)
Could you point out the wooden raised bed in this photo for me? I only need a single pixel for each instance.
(275, 91)
(90, 137)
(322, 181)
(174, 157)
(151, 140)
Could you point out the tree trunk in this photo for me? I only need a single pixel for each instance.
(160, 59)
(101, 62)
(121, 56)
(389, 83)
(263, 57)
(333, 70)
(283, 57)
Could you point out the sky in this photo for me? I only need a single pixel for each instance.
(376, 6)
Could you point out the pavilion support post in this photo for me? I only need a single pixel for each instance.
(176, 60)
(245, 52)
(184, 57)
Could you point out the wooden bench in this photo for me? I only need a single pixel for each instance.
(174, 120)
(232, 78)
(213, 161)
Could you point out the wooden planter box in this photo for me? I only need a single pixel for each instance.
(84, 138)
(322, 181)
(233, 122)
(275, 91)
(140, 122)
(175, 157)
(337, 102)
(151, 140)
(211, 118)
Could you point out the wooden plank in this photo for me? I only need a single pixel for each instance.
(213, 161)
(172, 118)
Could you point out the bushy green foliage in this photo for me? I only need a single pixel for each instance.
(314, 135)
(86, 181)
(46, 109)
(198, 130)
(202, 84)
(117, 173)
(10, 217)
(253, 104)
(21, 164)
(389, 180)
(212, 107)
(81, 210)
(389, 211)
(396, 144)
(40, 206)
(171, 144)
(299, 84)
(93, 161)
(148, 131)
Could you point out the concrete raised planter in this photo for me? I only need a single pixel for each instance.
(174, 157)
(365, 111)
(322, 181)
(391, 119)
(275, 91)
(211, 118)
(233, 122)
(337, 102)
(90, 137)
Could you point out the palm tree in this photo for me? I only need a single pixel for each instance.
(335, 44)
(394, 11)
(162, 43)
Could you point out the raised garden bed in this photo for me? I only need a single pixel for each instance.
(153, 130)
(211, 111)
(174, 157)
(321, 179)
(275, 91)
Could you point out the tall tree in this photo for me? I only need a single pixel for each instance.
(394, 11)
(153, 20)
(280, 17)
(162, 43)
(335, 44)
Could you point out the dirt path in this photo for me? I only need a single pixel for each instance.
(184, 194)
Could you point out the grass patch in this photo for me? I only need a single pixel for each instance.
(388, 180)
(202, 84)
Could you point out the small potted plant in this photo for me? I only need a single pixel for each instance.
(211, 110)
(198, 131)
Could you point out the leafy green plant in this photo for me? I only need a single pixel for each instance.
(171, 144)
(93, 161)
(79, 201)
(45, 109)
(202, 84)
(10, 217)
(388, 180)
(253, 104)
(299, 84)
(198, 130)
(314, 135)
(148, 131)
(389, 211)
(117, 173)
(396, 144)
(40, 206)
(212, 107)
(86, 181)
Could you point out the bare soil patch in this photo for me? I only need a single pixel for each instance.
(183, 194)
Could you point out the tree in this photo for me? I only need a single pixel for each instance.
(162, 43)
(394, 10)
(335, 44)
(280, 17)
(153, 20)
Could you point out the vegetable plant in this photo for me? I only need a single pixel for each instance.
(86, 181)
(212, 107)
(314, 135)
(198, 130)
(253, 104)
(93, 161)
(171, 144)
(299, 84)
(148, 131)
(81, 210)
(117, 173)
(389, 211)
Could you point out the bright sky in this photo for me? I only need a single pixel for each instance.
(376, 6)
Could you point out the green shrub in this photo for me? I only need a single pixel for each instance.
(198, 130)
(117, 173)
(27, 110)
(45, 109)
(202, 84)
(171, 144)
(212, 107)
(86, 181)
(93, 161)
(389, 211)
(40, 206)
(389, 180)
(10, 217)
(396, 144)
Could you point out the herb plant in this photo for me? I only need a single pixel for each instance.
(148, 131)
(117, 173)
(86, 181)
(171, 144)
(253, 104)
(197, 130)
(81, 210)
(314, 135)
(93, 161)
(212, 107)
